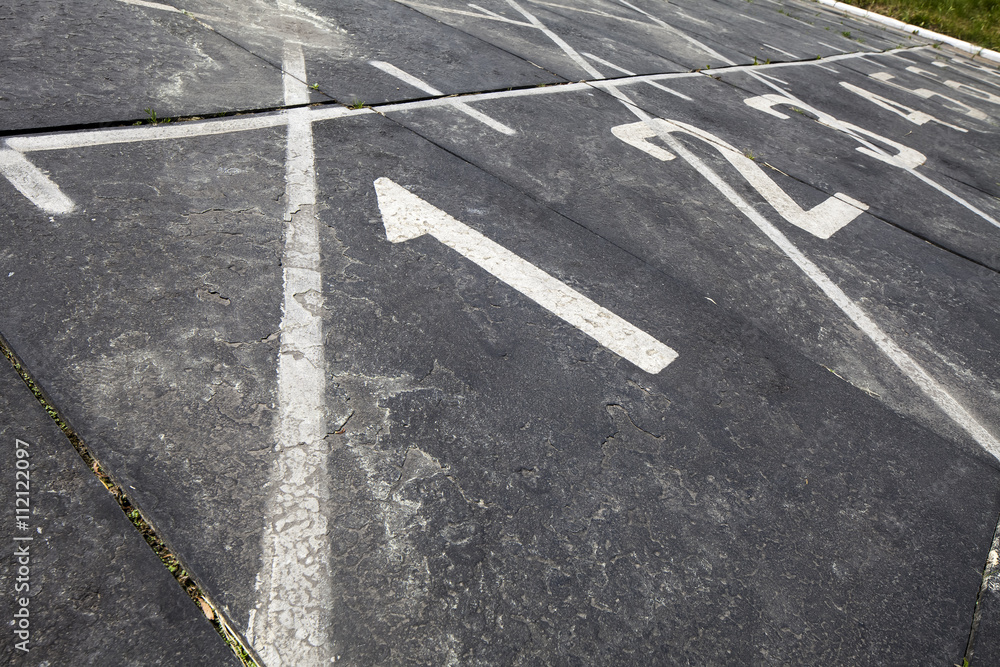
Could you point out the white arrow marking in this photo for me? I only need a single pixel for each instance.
(33, 183)
(407, 216)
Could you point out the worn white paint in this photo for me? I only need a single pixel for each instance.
(490, 16)
(626, 72)
(32, 182)
(823, 220)
(166, 132)
(978, 93)
(831, 46)
(482, 97)
(904, 157)
(182, 130)
(887, 78)
(430, 90)
(771, 77)
(558, 41)
(137, 133)
(406, 216)
(915, 116)
(931, 387)
(290, 624)
(152, 5)
(775, 48)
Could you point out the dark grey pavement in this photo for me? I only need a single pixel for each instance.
(558, 352)
(81, 585)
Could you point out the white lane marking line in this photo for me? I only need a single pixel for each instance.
(407, 216)
(152, 5)
(772, 78)
(482, 97)
(205, 19)
(583, 11)
(32, 182)
(658, 86)
(290, 625)
(602, 61)
(831, 46)
(392, 70)
(462, 12)
(50, 142)
(750, 18)
(663, 24)
(138, 133)
(828, 69)
(775, 48)
(498, 17)
(931, 387)
(558, 41)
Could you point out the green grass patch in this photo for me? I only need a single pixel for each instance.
(975, 21)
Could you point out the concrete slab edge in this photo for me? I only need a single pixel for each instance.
(213, 611)
(915, 30)
(991, 573)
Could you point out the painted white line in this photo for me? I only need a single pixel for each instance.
(290, 623)
(933, 389)
(831, 46)
(32, 182)
(914, 30)
(407, 216)
(772, 78)
(924, 93)
(602, 61)
(125, 135)
(392, 70)
(498, 17)
(152, 5)
(139, 133)
(482, 97)
(558, 41)
(654, 84)
(775, 48)
(462, 12)
(663, 24)
(750, 18)
(583, 11)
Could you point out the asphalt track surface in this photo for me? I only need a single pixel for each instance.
(518, 332)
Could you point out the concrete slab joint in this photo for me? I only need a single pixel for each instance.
(516, 332)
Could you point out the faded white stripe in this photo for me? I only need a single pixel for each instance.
(290, 625)
(32, 182)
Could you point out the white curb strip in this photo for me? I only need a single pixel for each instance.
(912, 29)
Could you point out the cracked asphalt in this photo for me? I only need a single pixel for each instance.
(518, 332)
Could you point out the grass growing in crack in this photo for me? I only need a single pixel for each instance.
(166, 556)
(153, 120)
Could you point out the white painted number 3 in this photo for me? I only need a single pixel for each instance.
(823, 220)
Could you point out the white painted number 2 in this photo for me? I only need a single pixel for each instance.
(823, 220)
